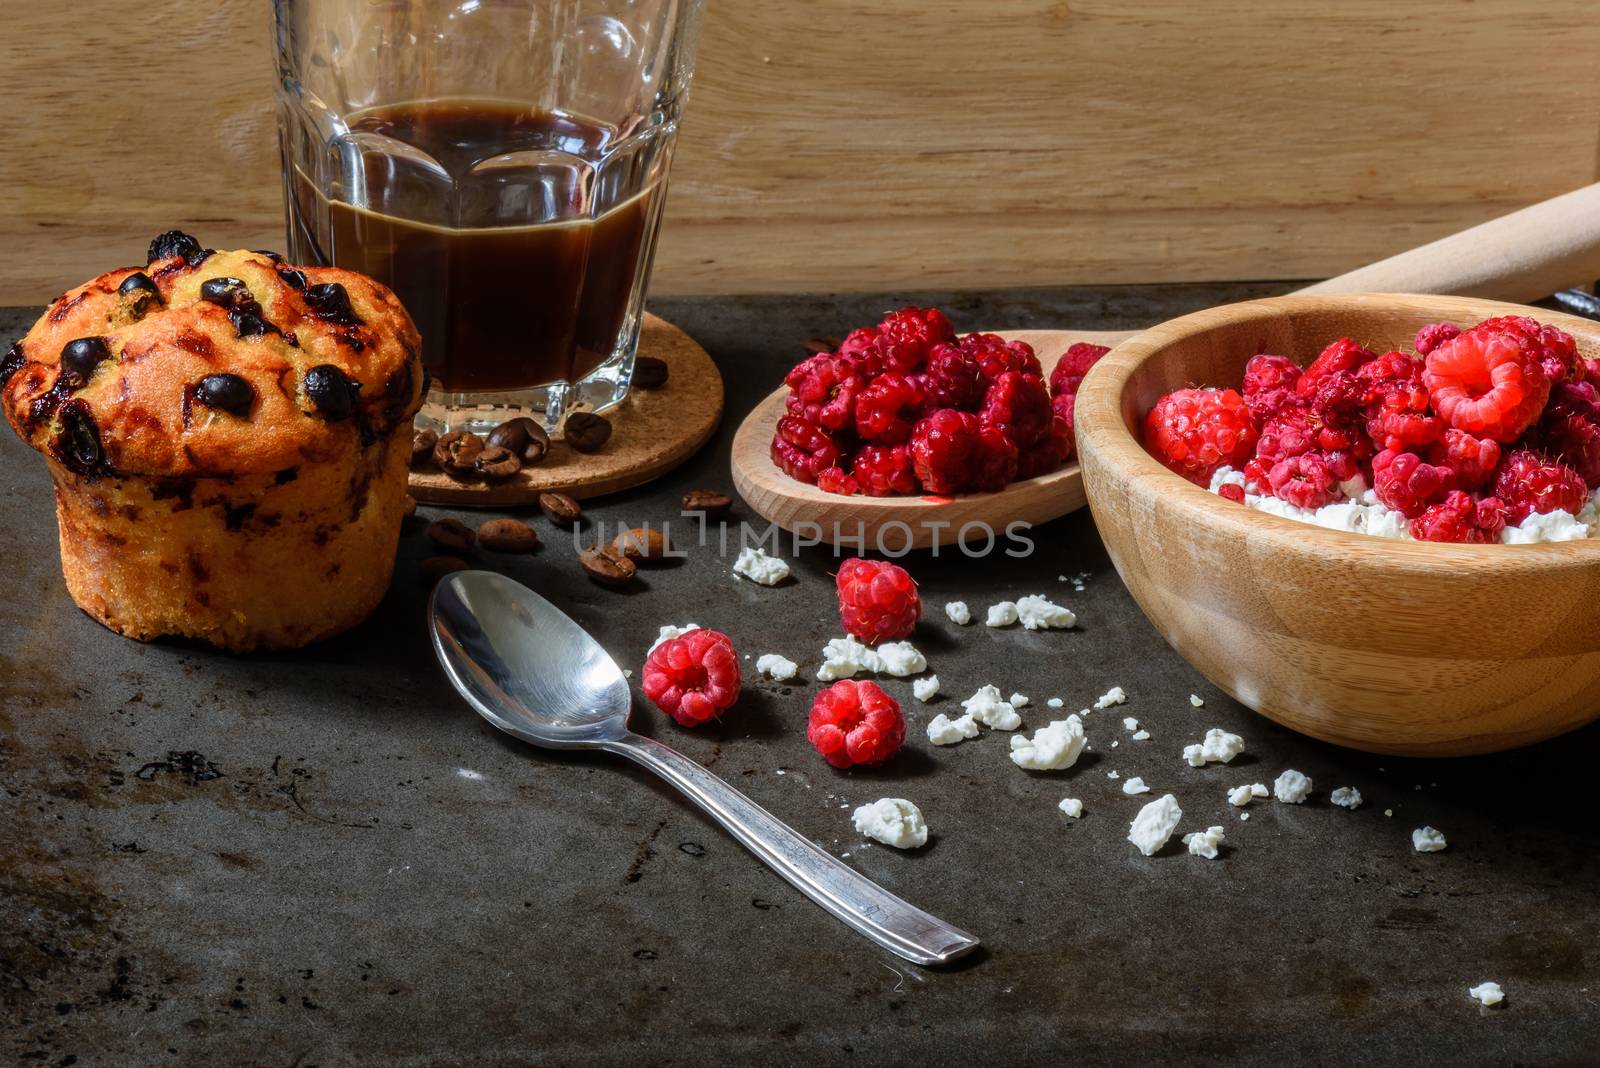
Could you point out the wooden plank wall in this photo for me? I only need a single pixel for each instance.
(884, 144)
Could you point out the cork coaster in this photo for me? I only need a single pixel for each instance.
(655, 431)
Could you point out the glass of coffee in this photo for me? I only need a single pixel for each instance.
(502, 165)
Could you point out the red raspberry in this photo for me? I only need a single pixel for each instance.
(1257, 472)
(692, 678)
(1196, 431)
(1569, 430)
(1343, 355)
(837, 480)
(888, 407)
(1433, 335)
(1231, 491)
(997, 459)
(878, 601)
(1304, 481)
(904, 338)
(1337, 408)
(857, 345)
(995, 355)
(953, 379)
(1067, 375)
(1018, 404)
(1403, 482)
(803, 450)
(1558, 353)
(1528, 482)
(1397, 403)
(1489, 383)
(885, 471)
(1471, 460)
(855, 723)
(944, 450)
(1459, 518)
(1056, 447)
(823, 390)
(1289, 433)
(1269, 383)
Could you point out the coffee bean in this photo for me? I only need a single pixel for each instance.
(507, 536)
(83, 355)
(649, 372)
(607, 567)
(522, 437)
(331, 391)
(715, 505)
(641, 543)
(560, 508)
(456, 452)
(226, 292)
(435, 568)
(226, 392)
(331, 302)
(586, 431)
(451, 535)
(422, 443)
(497, 463)
(173, 243)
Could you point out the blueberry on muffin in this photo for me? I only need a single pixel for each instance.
(229, 438)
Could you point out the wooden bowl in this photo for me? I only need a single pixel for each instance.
(1411, 648)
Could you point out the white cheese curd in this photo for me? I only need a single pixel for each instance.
(1204, 843)
(845, 657)
(958, 613)
(1346, 797)
(1488, 994)
(1019, 700)
(1001, 615)
(1219, 747)
(1051, 748)
(1547, 526)
(1112, 774)
(942, 730)
(754, 564)
(1141, 736)
(925, 689)
(1427, 840)
(1056, 702)
(1134, 786)
(780, 668)
(1129, 723)
(894, 821)
(1195, 701)
(1244, 815)
(989, 708)
(898, 659)
(1113, 696)
(669, 632)
(1259, 789)
(1240, 796)
(1038, 613)
(1071, 806)
(1291, 787)
(1154, 824)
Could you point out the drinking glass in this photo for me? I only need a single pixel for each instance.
(502, 165)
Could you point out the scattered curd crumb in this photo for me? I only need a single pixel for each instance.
(1001, 615)
(1115, 744)
(987, 707)
(1141, 735)
(1019, 700)
(1113, 696)
(1487, 993)
(1071, 806)
(1112, 774)
(1154, 824)
(958, 613)
(1135, 785)
(1039, 613)
(1427, 840)
(925, 689)
(1258, 789)
(845, 657)
(1388, 812)
(1291, 787)
(669, 632)
(1241, 796)
(1346, 797)
(780, 668)
(627, 673)
(1051, 748)
(1129, 723)
(942, 730)
(1219, 747)
(754, 564)
(1194, 699)
(894, 821)
(1204, 843)
(898, 659)
(1244, 815)
(1056, 702)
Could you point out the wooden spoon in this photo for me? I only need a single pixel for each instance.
(1520, 257)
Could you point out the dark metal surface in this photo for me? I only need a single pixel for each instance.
(325, 858)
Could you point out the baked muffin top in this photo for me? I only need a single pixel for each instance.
(205, 363)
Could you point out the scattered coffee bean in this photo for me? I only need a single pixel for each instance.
(422, 443)
(586, 431)
(84, 355)
(435, 568)
(331, 302)
(607, 567)
(451, 535)
(331, 391)
(226, 292)
(715, 505)
(815, 345)
(560, 508)
(649, 372)
(522, 437)
(226, 392)
(173, 243)
(456, 452)
(641, 543)
(497, 463)
(508, 536)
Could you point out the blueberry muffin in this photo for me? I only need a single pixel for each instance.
(228, 436)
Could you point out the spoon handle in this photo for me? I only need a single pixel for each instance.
(894, 924)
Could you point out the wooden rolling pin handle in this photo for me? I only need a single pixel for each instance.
(1521, 257)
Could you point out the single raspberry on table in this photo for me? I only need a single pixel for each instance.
(822, 390)
(837, 480)
(1269, 384)
(1569, 429)
(1343, 356)
(1459, 518)
(1068, 373)
(944, 450)
(884, 471)
(888, 407)
(904, 338)
(1231, 491)
(1528, 482)
(1472, 460)
(855, 722)
(1019, 404)
(997, 459)
(1398, 409)
(692, 678)
(953, 378)
(994, 355)
(1196, 431)
(1407, 484)
(878, 601)
(1433, 335)
(803, 449)
(1488, 382)
(1305, 481)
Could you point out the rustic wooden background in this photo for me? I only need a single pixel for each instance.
(876, 144)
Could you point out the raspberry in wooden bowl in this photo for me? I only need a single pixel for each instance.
(229, 439)
(1392, 644)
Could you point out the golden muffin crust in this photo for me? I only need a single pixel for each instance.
(330, 358)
